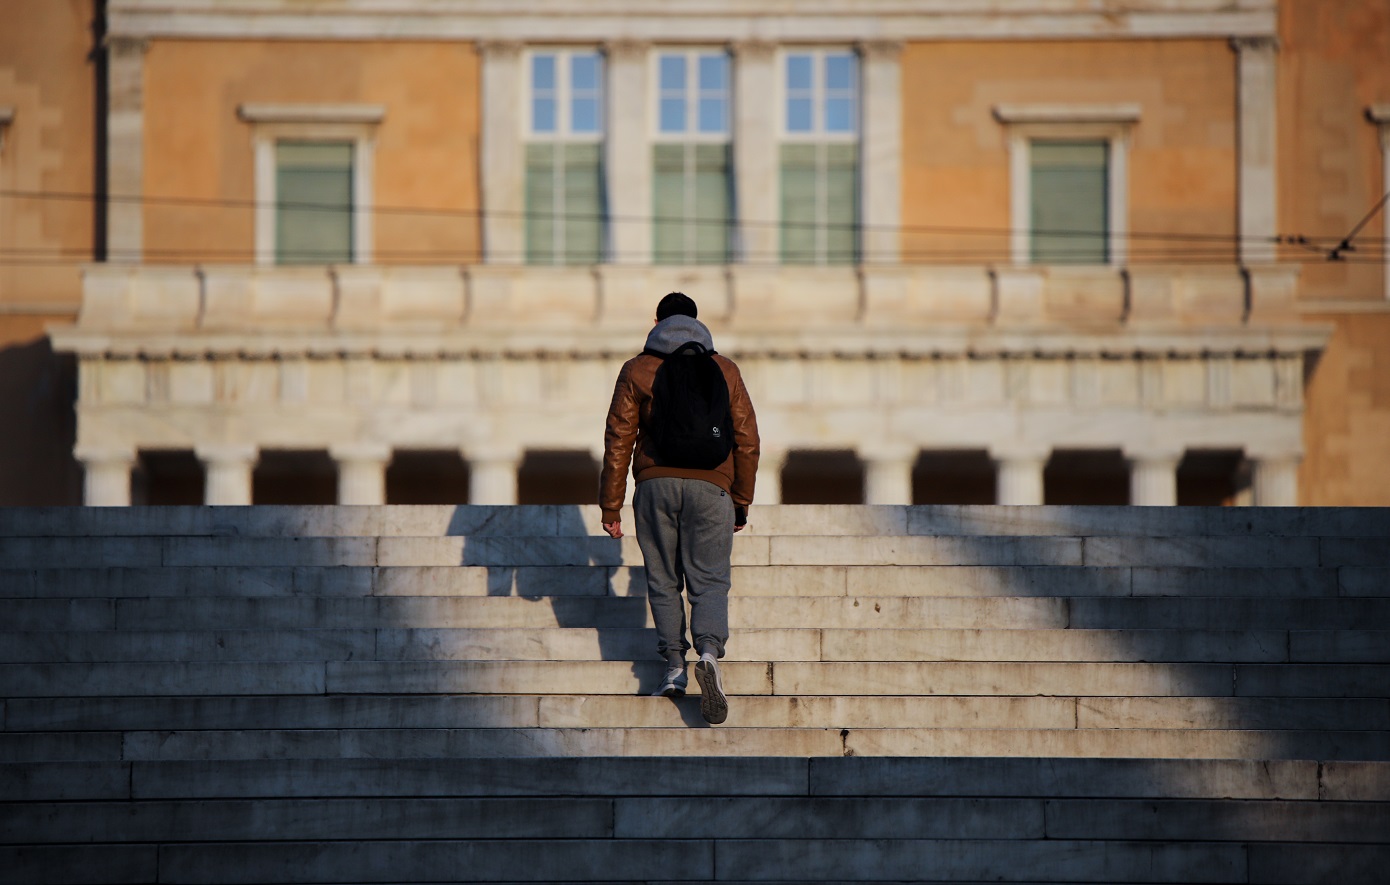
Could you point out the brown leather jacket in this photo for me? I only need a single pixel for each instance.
(623, 442)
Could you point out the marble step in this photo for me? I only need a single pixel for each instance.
(787, 678)
(801, 519)
(638, 644)
(763, 711)
(693, 738)
(785, 580)
(1059, 778)
(520, 550)
(750, 817)
(747, 613)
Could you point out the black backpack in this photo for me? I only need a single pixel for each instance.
(691, 425)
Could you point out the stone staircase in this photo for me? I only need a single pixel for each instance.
(929, 694)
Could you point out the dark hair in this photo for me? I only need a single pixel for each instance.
(676, 303)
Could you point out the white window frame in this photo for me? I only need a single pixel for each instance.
(272, 124)
(563, 93)
(1025, 124)
(818, 133)
(1380, 115)
(692, 135)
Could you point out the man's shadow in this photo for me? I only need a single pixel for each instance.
(553, 556)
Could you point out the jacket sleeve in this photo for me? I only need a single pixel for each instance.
(746, 442)
(619, 438)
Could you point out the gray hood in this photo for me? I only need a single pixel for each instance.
(668, 335)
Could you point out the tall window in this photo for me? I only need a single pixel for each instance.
(313, 202)
(820, 158)
(564, 158)
(691, 159)
(1069, 217)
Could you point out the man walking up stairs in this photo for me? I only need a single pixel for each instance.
(924, 694)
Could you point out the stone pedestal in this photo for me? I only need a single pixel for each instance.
(361, 473)
(492, 478)
(1020, 478)
(1275, 480)
(768, 488)
(107, 470)
(887, 477)
(1153, 479)
(229, 470)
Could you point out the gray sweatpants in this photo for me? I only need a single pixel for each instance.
(685, 528)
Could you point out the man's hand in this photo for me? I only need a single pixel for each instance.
(739, 528)
(614, 529)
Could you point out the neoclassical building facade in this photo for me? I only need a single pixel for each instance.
(1022, 251)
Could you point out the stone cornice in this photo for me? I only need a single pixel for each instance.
(692, 21)
(311, 113)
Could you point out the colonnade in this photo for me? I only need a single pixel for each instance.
(493, 475)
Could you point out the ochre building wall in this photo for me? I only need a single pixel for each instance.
(47, 177)
(955, 153)
(425, 154)
(1332, 66)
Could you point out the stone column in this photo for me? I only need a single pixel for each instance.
(492, 476)
(125, 149)
(503, 154)
(1153, 478)
(887, 475)
(881, 152)
(1256, 135)
(1380, 115)
(768, 487)
(1020, 478)
(107, 475)
(1275, 479)
(756, 112)
(229, 469)
(361, 472)
(628, 153)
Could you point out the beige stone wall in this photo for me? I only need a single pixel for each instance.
(426, 149)
(48, 82)
(955, 154)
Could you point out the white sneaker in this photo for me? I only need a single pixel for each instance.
(673, 686)
(714, 706)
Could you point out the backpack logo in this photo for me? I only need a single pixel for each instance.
(690, 424)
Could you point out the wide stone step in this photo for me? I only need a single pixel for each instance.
(617, 643)
(520, 551)
(763, 711)
(695, 818)
(785, 580)
(733, 739)
(1357, 781)
(788, 678)
(747, 613)
(801, 519)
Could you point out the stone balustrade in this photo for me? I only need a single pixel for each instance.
(353, 299)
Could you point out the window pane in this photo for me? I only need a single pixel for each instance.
(839, 115)
(668, 203)
(582, 215)
(673, 115)
(1069, 216)
(584, 71)
(543, 72)
(313, 194)
(584, 115)
(799, 198)
(543, 115)
(839, 71)
(798, 115)
(799, 72)
(713, 115)
(714, 73)
(712, 202)
(841, 185)
(673, 73)
(540, 204)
